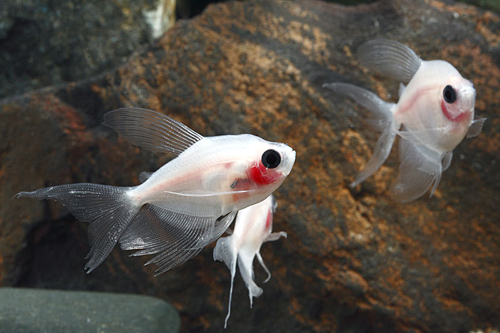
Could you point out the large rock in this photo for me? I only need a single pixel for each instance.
(35, 310)
(354, 260)
(47, 42)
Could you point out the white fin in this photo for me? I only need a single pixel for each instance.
(426, 137)
(143, 176)
(380, 154)
(389, 58)
(420, 170)
(261, 261)
(275, 236)
(381, 119)
(151, 130)
(380, 111)
(245, 264)
(106, 208)
(179, 237)
(475, 128)
(401, 90)
(224, 251)
(270, 238)
(445, 163)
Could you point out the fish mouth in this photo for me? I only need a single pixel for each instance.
(289, 162)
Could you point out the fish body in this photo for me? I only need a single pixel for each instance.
(434, 113)
(186, 204)
(253, 227)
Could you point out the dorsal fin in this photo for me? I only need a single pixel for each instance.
(151, 130)
(389, 58)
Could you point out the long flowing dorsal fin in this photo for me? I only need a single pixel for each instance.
(151, 130)
(389, 58)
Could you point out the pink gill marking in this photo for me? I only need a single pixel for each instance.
(448, 116)
(262, 175)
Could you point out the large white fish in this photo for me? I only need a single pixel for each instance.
(252, 228)
(186, 204)
(434, 113)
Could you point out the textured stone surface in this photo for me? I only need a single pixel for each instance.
(47, 42)
(36, 310)
(354, 260)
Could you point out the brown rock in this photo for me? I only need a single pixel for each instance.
(354, 260)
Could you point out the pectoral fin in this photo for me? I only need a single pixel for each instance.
(475, 128)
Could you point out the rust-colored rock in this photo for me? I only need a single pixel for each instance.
(354, 260)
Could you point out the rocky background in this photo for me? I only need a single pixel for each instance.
(354, 260)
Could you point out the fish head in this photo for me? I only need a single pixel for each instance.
(267, 164)
(271, 165)
(457, 100)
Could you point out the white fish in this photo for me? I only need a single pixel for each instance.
(434, 113)
(252, 228)
(186, 204)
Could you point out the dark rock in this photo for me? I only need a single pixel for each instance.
(46, 42)
(354, 259)
(38, 310)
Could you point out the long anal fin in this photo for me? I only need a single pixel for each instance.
(151, 130)
(174, 237)
(420, 170)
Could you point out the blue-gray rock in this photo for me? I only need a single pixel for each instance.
(39, 310)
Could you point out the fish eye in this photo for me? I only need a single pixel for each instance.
(449, 94)
(271, 159)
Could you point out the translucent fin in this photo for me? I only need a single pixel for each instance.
(401, 90)
(420, 170)
(389, 58)
(143, 176)
(179, 237)
(380, 111)
(151, 130)
(380, 154)
(224, 251)
(245, 264)
(475, 128)
(106, 208)
(445, 163)
(275, 236)
(426, 137)
(261, 261)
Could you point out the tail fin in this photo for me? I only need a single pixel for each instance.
(106, 208)
(381, 119)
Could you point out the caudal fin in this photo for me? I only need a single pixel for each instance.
(380, 118)
(106, 208)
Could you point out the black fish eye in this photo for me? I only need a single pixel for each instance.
(271, 159)
(449, 94)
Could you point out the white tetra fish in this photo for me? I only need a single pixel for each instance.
(252, 228)
(186, 204)
(434, 113)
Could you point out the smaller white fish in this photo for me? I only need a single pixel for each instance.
(253, 227)
(434, 113)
